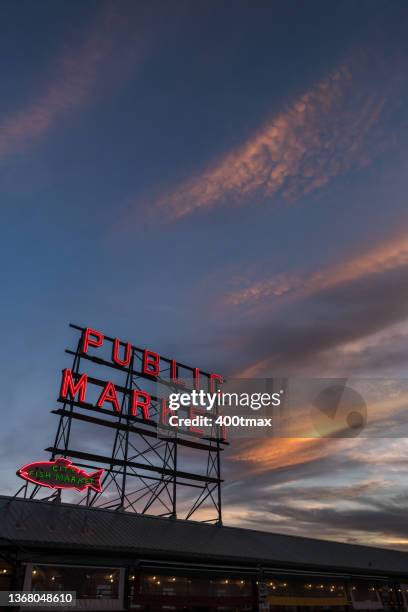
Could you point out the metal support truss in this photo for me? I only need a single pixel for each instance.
(142, 471)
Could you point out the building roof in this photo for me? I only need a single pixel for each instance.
(42, 524)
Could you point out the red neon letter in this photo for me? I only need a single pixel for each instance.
(165, 410)
(213, 379)
(68, 386)
(174, 374)
(197, 379)
(91, 338)
(151, 363)
(193, 413)
(109, 395)
(115, 353)
(144, 403)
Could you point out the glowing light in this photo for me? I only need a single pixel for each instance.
(115, 353)
(60, 474)
(151, 363)
(91, 337)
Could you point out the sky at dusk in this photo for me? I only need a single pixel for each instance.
(226, 183)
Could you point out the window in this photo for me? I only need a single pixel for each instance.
(304, 586)
(5, 576)
(365, 595)
(309, 593)
(100, 588)
(173, 585)
(190, 590)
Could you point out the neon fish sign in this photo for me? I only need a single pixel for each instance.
(60, 474)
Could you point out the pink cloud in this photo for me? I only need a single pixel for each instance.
(384, 257)
(320, 135)
(77, 75)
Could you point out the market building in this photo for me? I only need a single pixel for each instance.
(117, 560)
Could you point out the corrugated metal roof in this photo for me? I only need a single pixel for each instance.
(67, 526)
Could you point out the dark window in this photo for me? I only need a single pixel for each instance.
(169, 585)
(312, 588)
(364, 591)
(88, 582)
(5, 577)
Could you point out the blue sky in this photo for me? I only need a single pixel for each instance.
(221, 182)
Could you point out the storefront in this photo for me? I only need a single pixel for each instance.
(117, 561)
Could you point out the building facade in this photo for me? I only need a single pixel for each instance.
(117, 560)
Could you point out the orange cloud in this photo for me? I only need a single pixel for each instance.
(387, 256)
(319, 136)
(76, 77)
(385, 402)
(286, 452)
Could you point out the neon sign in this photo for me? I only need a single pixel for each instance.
(60, 474)
(74, 385)
(130, 401)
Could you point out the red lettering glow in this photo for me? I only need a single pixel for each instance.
(143, 403)
(151, 363)
(109, 395)
(192, 412)
(165, 411)
(68, 386)
(174, 373)
(197, 379)
(115, 353)
(74, 385)
(214, 378)
(91, 338)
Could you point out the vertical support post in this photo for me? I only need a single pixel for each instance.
(64, 425)
(219, 483)
(175, 478)
(128, 481)
(126, 436)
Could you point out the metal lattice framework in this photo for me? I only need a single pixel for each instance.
(143, 470)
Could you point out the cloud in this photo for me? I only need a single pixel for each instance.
(377, 260)
(384, 526)
(344, 320)
(308, 337)
(280, 453)
(386, 416)
(324, 132)
(78, 72)
(337, 494)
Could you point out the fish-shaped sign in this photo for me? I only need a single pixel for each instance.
(61, 474)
